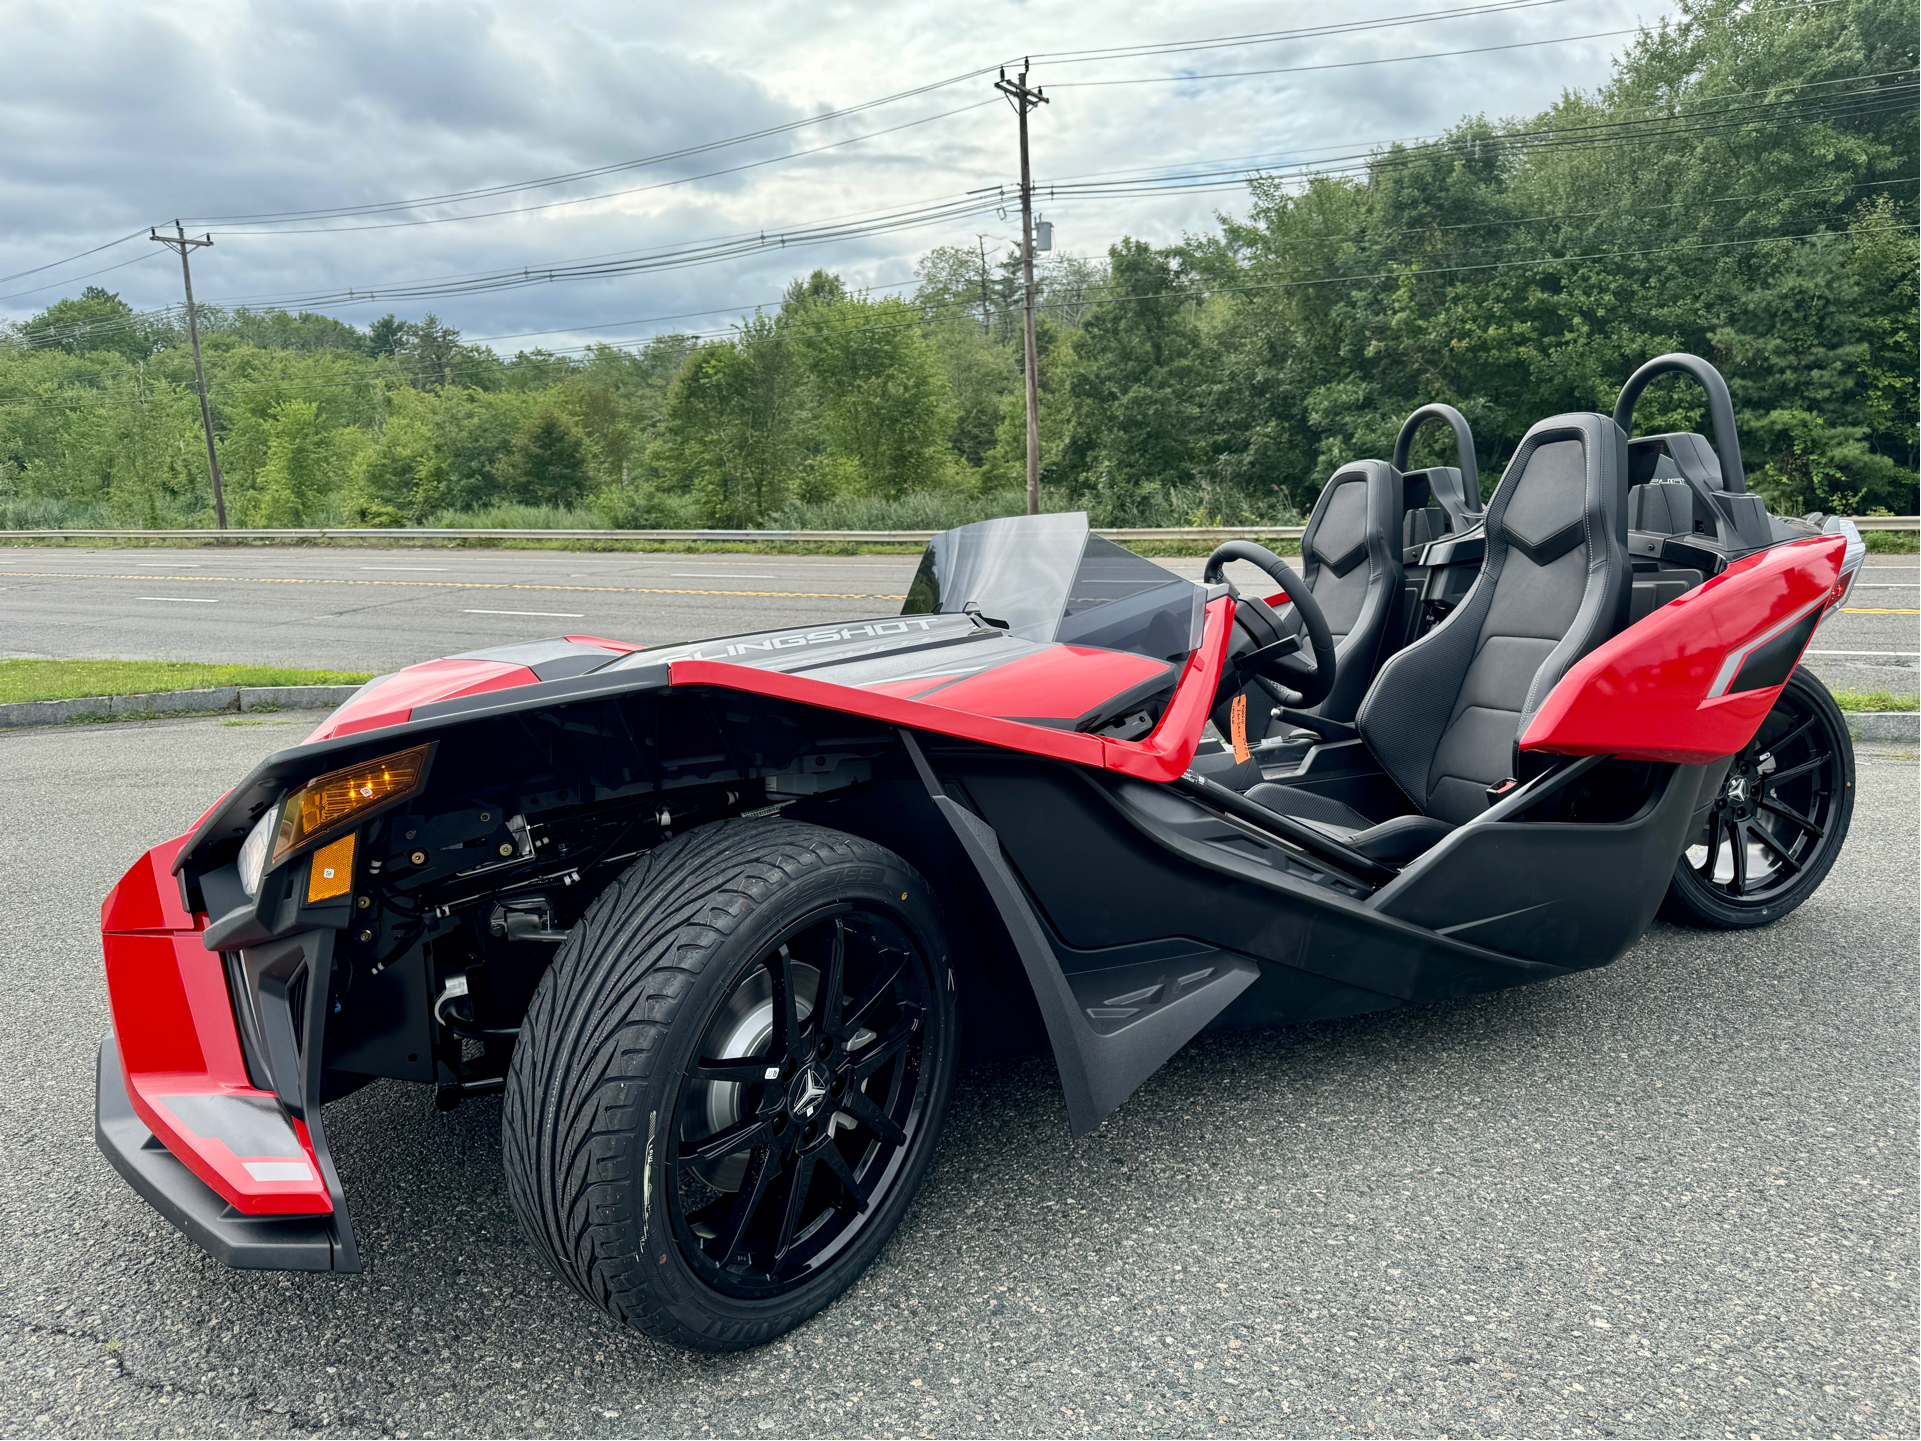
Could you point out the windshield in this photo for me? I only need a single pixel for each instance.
(1048, 577)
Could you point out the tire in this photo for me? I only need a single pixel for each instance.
(703, 1133)
(1775, 830)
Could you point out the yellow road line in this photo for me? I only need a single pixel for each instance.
(452, 585)
(1857, 610)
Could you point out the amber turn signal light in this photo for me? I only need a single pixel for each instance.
(341, 797)
(333, 870)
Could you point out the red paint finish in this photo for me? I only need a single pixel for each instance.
(1644, 694)
(1162, 756)
(1166, 753)
(615, 645)
(1061, 683)
(392, 702)
(173, 1021)
(147, 897)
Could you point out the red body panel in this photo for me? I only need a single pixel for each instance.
(392, 701)
(1648, 694)
(1064, 683)
(174, 1024)
(1161, 756)
(621, 646)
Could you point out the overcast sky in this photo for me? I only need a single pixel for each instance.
(117, 116)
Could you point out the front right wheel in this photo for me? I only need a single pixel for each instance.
(732, 1079)
(1774, 831)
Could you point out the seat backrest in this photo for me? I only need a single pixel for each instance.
(1443, 715)
(1351, 560)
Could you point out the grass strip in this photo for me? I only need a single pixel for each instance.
(1875, 700)
(26, 680)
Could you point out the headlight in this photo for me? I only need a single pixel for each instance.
(328, 804)
(340, 798)
(253, 851)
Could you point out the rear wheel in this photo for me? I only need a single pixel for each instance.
(731, 1082)
(1778, 824)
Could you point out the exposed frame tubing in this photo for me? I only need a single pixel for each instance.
(1463, 445)
(1727, 443)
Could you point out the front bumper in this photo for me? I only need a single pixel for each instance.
(223, 1137)
(255, 1243)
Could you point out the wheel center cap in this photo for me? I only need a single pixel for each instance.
(1737, 788)
(808, 1090)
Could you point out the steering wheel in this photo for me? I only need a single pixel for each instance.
(1265, 646)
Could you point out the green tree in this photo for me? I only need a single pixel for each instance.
(94, 320)
(727, 439)
(886, 407)
(294, 482)
(549, 462)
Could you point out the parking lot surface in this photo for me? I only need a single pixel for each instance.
(1673, 1197)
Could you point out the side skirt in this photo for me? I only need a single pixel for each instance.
(1110, 1028)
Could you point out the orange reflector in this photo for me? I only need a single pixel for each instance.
(333, 870)
(329, 802)
(1237, 727)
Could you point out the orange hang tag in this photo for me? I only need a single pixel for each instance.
(1237, 726)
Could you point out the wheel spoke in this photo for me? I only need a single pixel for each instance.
(1775, 747)
(851, 1020)
(876, 1053)
(741, 1071)
(827, 1004)
(1714, 847)
(786, 1003)
(761, 1169)
(857, 1105)
(741, 1136)
(831, 1158)
(1789, 813)
(1738, 843)
(799, 1176)
(1807, 765)
(1767, 839)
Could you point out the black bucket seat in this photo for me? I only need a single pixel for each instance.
(1444, 714)
(1351, 560)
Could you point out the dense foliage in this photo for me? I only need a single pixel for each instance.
(1742, 186)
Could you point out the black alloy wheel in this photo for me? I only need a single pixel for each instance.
(1773, 832)
(732, 1079)
(804, 1103)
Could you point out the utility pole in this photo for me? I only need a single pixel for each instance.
(179, 241)
(987, 319)
(1023, 100)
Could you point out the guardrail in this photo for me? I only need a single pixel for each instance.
(871, 537)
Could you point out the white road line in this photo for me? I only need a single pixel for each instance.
(182, 599)
(164, 564)
(1910, 654)
(405, 567)
(725, 575)
(556, 614)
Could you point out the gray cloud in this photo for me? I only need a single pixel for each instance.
(117, 116)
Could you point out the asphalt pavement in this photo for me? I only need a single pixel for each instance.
(1675, 1197)
(352, 608)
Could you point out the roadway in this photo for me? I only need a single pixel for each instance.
(349, 608)
(1675, 1197)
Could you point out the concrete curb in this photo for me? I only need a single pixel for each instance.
(174, 702)
(1885, 725)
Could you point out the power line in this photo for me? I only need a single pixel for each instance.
(617, 194)
(1663, 127)
(1196, 291)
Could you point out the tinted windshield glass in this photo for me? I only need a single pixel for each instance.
(1017, 569)
(1050, 578)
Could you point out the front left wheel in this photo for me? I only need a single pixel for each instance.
(731, 1081)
